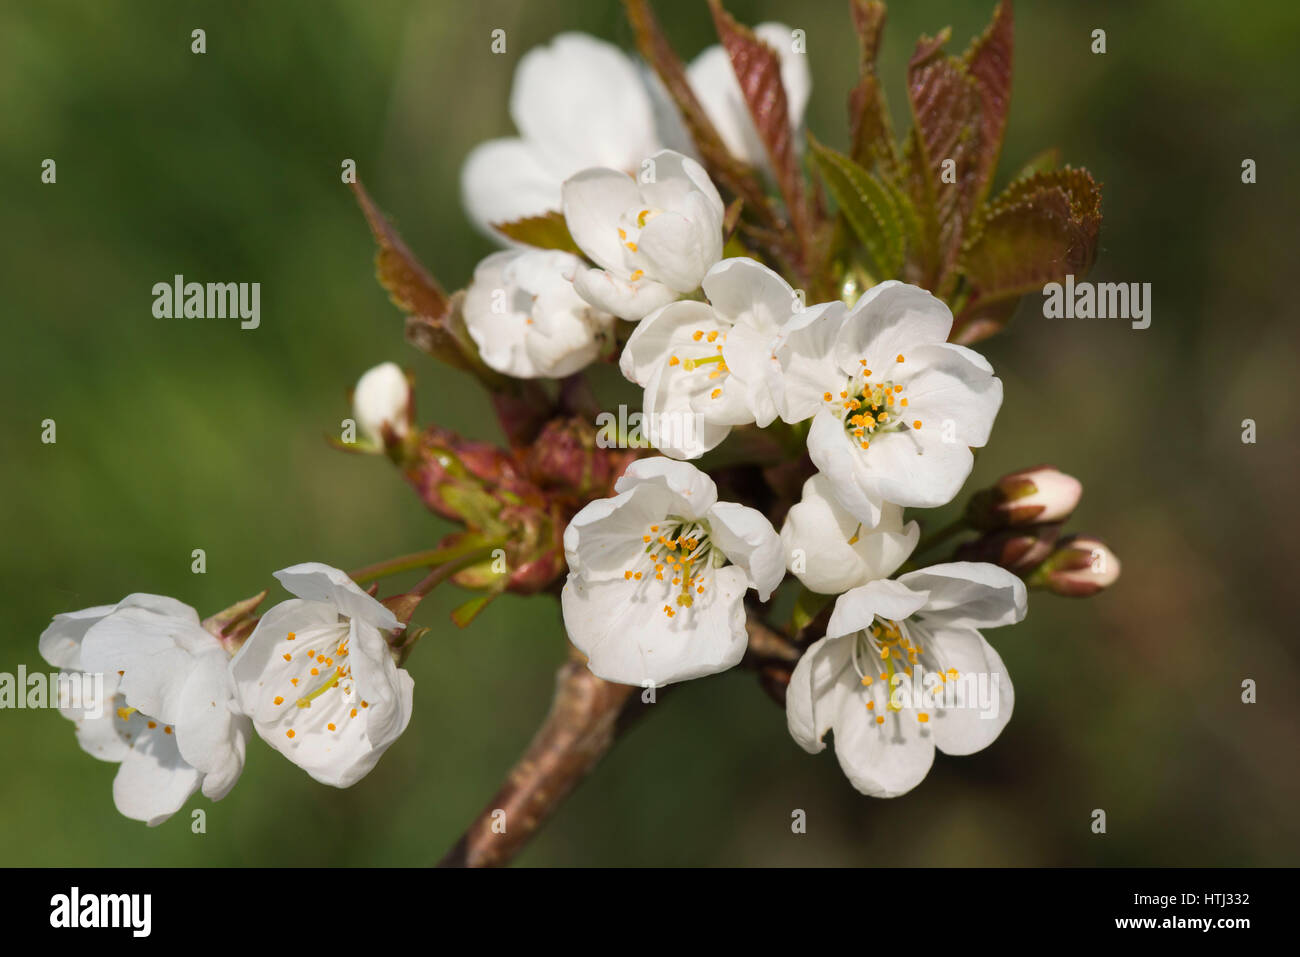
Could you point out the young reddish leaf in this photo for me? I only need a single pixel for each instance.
(870, 132)
(988, 61)
(1038, 231)
(945, 145)
(434, 323)
(1077, 184)
(547, 231)
(758, 70)
(411, 287)
(728, 171)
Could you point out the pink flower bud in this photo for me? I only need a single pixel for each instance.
(1030, 496)
(1019, 549)
(1080, 566)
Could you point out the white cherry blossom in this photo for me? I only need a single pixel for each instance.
(703, 365)
(658, 575)
(577, 102)
(895, 408)
(653, 236)
(528, 322)
(580, 102)
(830, 551)
(170, 718)
(904, 670)
(318, 678)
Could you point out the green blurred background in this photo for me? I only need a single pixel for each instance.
(194, 434)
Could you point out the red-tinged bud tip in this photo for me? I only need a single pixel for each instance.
(1079, 567)
(1019, 549)
(1031, 496)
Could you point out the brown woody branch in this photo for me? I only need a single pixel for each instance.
(588, 714)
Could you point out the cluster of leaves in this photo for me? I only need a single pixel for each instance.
(917, 211)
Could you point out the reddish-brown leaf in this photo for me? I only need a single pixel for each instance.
(871, 135)
(434, 323)
(988, 61)
(726, 170)
(758, 70)
(946, 135)
(411, 287)
(1039, 230)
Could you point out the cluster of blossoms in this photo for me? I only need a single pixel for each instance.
(620, 249)
(315, 679)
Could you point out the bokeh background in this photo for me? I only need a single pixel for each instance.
(193, 434)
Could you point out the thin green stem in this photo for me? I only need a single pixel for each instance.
(424, 559)
(449, 568)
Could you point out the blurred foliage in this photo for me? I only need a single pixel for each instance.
(183, 434)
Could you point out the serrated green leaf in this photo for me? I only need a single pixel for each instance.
(867, 205)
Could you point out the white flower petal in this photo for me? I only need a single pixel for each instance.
(504, 180)
(676, 179)
(970, 594)
(956, 386)
(318, 582)
(679, 246)
(60, 643)
(837, 457)
(912, 468)
(604, 538)
(527, 320)
(748, 540)
(582, 101)
(154, 781)
(745, 290)
(625, 298)
(813, 699)
(857, 608)
(211, 737)
(155, 652)
(628, 638)
(594, 202)
(692, 491)
(983, 692)
(881, 759)
(818, 532)
(653, 341)
(802, 367)
(889, 320)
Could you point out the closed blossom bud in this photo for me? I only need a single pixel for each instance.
(567, 459)
(1019, 549)
(383, 405)
(1080, 566)
(1030, 496)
